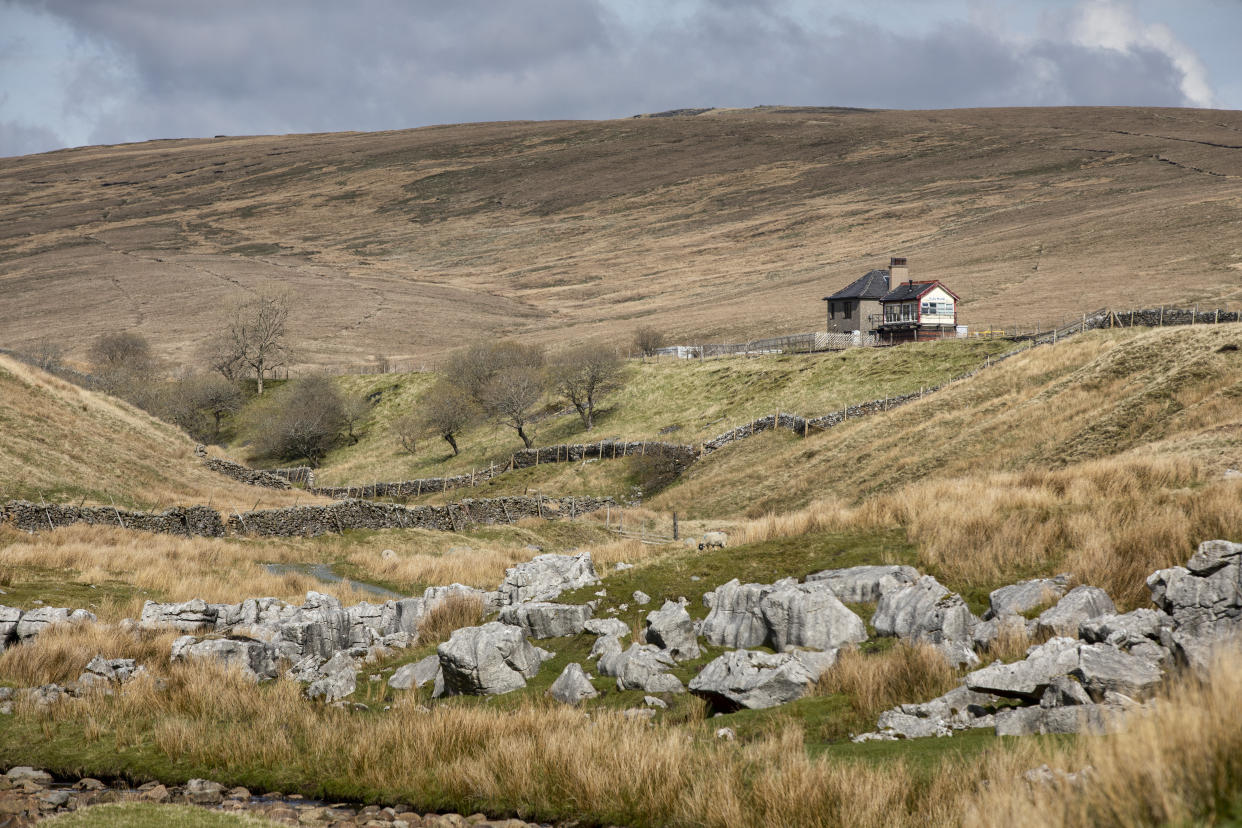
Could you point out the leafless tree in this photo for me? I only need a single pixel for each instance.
(199, 403)
(256, 333)
(47, 354)
(584, 373)
(123, 364)
(305, 422)
(446, 410)
(221, 354)
(408, 428)
(510, 397)
(648, 340)
(354, 410)
(474, 368)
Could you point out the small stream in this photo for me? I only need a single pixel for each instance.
(323, 572)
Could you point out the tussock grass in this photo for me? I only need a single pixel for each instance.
(453, 613)
(60, 653)
(904, 673)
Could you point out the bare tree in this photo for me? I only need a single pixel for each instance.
(584, 373)
(446, 410)
(474, 368)
(408, 428)
(199, 403)
(124, 365)
(221, 354)
(256, 333)
(353, 411)
(510, 398)
(648, 340)
(305, 422)
(47, 354)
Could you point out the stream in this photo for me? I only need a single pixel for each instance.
(323, 572)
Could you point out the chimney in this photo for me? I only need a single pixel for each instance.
(897, 272)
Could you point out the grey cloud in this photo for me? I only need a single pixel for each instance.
(233, 66)
(23, 139)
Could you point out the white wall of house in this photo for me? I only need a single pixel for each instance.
(937, 308)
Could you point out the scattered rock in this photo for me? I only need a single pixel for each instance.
(641, 667)
(257, 660)
(641, 598)
(865, 584)
(725, 733)
(545, 577)
(1078, 605)
(572, 686)
(607, 626)
(545, 620)
(672, 629)
(653, 701)
(417, 674)
(204, 792)
(488, 660)
(755, 680)
(1024, 596)
(338, 679)
(809, 615)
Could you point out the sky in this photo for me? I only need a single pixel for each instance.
(77, 72)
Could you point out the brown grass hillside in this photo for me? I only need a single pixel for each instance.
(722, 226)
(64, 443)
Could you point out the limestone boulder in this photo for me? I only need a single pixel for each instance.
(542, 619)
(256, 660)
(337, 679)
(488, 660)
(1024, 596)
(572, 686)
(9, 616)
(186, 616)
(607, 626)
(809, 615)
(606, 645)
(756, 680)
(1126, 630)
(33, 622)
(105, 671)
(1104, 668)
(671, 629)
(545, 577)
(1079, 604)
(416, 674)
(736, 619)
(926, 611)
(865, 584)
(1029, 678)
(642, 667)
(1082, 718)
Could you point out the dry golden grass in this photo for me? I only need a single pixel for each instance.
(906, 673)
(453, 613)
(61, 653)
(64, 443)
(729, 225)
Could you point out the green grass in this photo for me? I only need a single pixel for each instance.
(24, 585)
(682, 401)
(147, 815)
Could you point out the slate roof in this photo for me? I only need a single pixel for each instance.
(872, 286)
(906, 291)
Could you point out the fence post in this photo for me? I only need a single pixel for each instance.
(676, 536)
(1160, 324)
(1216, 321)
(1193, 313)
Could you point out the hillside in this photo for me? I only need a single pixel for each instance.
(726, 225)
(64, 443)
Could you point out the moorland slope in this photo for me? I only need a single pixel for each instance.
(727, 225)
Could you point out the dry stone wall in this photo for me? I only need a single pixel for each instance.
(301, 520)
(182, 520)
(245, 474)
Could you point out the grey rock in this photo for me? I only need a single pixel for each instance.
(1027, 679)
(338, 679)
(35, 621)
(1065, 691)
(25, 773)
(645, 713)
(756, 680)
(1077, 605)
(641, 598)
(487, 660)
(641, 667)
(1024, 596)
(606, 645)
(865, 584)
(572, 686)
(735, 619)
(905, 726)
(924, 611)
(256, 660)
(671, 628)
(653, 701)
(1104, 668)
(809, 615)
(1205, 601)
(1136, 627)
(416, 674)
(100, 670)
(204, 792)
(187, 616)
(545, 620)
(607, 626)
(1082, 718)
(9, 616)
(545, 577)
(1214, 555)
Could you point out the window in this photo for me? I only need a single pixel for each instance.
(849, 306)
(832, 310)
(929, 309)
(907, 311)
